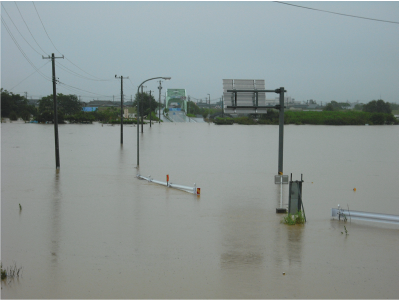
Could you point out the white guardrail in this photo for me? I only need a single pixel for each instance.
(193, 190)
(366, 216)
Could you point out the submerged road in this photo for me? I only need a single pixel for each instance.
(179, 116)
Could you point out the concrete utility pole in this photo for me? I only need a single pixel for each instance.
(209, 107)
(122, 105)
(159, 102)
(188, 112)
(150, 108)
(53, 63)
(222, 103)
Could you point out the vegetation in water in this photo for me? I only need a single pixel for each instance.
(10, 272)
(294, 219)
(350, 117)
(223, 121)
(345, 230)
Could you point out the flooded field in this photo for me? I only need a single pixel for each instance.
(94, 230)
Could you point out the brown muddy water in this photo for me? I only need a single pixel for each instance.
(96, 231)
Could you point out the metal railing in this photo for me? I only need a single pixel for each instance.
(365, 216)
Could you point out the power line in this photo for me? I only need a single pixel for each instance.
(28, 76)
(72, 87)
(87, 72)
(28, 28)
(19, 31)
(22, 52)
(331, 12)
(45, 28)
(60, 52)
(77, 74)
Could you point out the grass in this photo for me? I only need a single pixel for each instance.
(297, 218)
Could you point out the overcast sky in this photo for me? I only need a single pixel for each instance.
(313, 54)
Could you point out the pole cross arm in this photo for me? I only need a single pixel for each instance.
(49, 57)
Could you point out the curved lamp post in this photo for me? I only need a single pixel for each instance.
(165, 78)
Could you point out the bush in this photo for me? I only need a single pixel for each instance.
(244, 121)
(223, 121)
(297, 218)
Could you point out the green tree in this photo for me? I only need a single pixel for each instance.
(67, 104)
(193, 108)
(358, 106)
(147, 103)
(17, 104)
(378, 106)
(329, 107)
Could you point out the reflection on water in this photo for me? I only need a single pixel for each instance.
(94, 230)
(242, 240)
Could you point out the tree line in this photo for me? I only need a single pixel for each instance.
(374, 106)
(15, 106)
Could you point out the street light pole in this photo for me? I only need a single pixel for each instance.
(165, 78)
(159, 103)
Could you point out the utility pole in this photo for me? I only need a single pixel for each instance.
(222, 103)
(55, 108)
(26, 95)
(141, 105)
(159, 102)
(122, 105)
(209, 107)
(150, 108)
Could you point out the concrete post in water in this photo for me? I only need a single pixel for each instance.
(281, 123)
(55, 108)
(55, 113)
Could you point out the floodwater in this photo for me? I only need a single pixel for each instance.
(94, 230)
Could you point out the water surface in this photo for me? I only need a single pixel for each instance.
(94, 230)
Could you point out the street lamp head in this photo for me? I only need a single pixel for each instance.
(166, 78)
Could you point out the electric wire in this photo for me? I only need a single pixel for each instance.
(28, 27)
(45, 28)
(19, 31)
(77, 74)
(22, 52)
(37, 12)
(28, 76)
(87, 72)
(331, 12)
(72, 87)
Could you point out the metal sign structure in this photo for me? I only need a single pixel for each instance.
(251, 100)
(251, 95)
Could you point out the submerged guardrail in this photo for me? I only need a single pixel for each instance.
(193, 190)
(365, 216)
